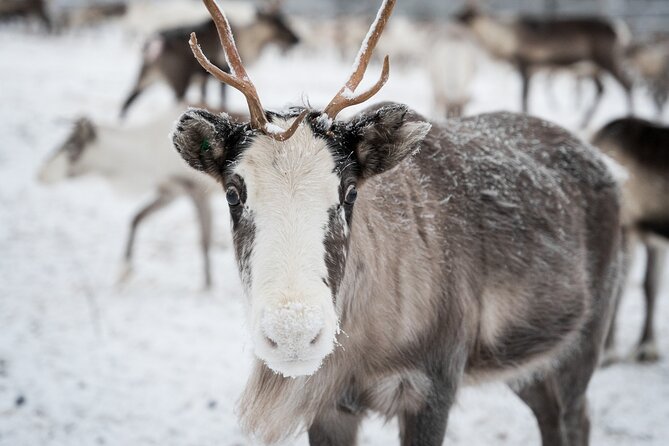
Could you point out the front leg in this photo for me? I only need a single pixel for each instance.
(427, 426)
(335, 428)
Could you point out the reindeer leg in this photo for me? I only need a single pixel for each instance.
(336, 428)
(599, 91)
(525, 77)
(427, 427)
(542, 397)
(647, 350)
(165, 197)
(614, 67)
(139, 87)
(203, 209)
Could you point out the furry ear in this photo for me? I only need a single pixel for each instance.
(201, 138)
(386, 137)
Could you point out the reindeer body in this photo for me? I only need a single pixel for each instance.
(536, 43)
(642, 148)
(135, 161)
(167, 56)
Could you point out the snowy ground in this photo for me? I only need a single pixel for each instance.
(158, 361)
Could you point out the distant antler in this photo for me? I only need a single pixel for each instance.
(345, 97)
(239, 79)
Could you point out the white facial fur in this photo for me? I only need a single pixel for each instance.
(290, 187)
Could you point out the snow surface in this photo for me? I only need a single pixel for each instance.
(157, 361)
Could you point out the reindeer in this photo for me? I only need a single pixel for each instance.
(166, 55)
(387, 259)
(452, 62)
(641, 147)
(134, 160)
(650, 62)
(24, 8)
(532, 43)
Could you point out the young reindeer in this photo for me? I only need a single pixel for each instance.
(166, 55)
(134, 160)
(483, 248)
(642, 148)
(531, 44)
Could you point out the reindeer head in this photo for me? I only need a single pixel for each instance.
(291, 181)
(274, 21)
(69, 159)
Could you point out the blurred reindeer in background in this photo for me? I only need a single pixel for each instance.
(25, 8)
(531, 44)
(650, 62)
(642, 147)
(452, 60)
(166, 56)
(135, 160)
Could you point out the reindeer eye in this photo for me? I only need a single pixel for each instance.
(232, 196)
(351, 194)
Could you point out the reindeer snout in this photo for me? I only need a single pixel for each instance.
(293, 330)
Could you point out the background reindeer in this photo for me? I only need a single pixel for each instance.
(134, 160)
(24, 8)
(452, 60)
(650, 62)
(531, 44)
(494, 251)
(641, 147)
(167, 56)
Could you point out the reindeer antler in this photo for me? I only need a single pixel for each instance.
(345, 97)
(238, 79)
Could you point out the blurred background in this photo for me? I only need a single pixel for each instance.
(121, 312)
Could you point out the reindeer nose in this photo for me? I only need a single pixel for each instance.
(292, 328)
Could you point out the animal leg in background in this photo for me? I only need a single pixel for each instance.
(203, 210)
(525, 77)
(647, 349)
(166, 195)
(599, 91)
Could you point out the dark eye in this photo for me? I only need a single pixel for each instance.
(232, 196)
(351, 194)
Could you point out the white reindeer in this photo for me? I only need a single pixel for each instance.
(134, 160)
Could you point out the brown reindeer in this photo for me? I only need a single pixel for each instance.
(24, 8)
(642, 147)
(166, 56)
(387, 259)
(531, 44)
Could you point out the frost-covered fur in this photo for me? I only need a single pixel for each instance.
(492, 252)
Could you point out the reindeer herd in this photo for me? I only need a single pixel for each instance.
(389, 258)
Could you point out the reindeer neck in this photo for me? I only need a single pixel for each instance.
(497, 35)
(251, 40)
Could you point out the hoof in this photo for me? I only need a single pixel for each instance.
(646, 352)
(125, 273)
(609, 357)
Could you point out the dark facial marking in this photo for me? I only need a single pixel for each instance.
(83, 133)
(336, 247)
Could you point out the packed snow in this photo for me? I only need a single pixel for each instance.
(156, 360)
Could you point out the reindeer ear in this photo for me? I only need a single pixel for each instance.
(200, 137)
(386, 137)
